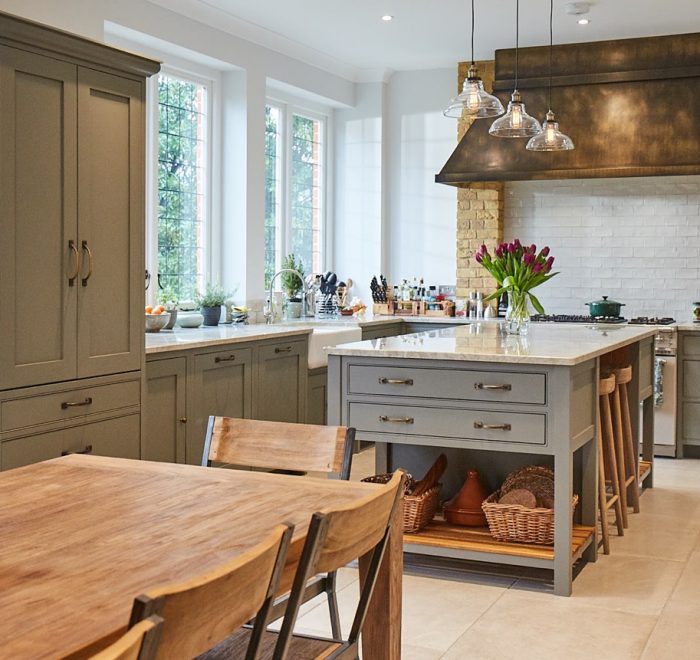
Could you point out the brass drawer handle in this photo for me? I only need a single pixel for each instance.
(87, 250)
(396, 420)
(396, 381)
(230, 358)
(87, 450)
(74, 404)
(76, 268)
(286, 349)
(492, 427)
(507, 387)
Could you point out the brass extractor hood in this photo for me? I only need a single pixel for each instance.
(631, 106)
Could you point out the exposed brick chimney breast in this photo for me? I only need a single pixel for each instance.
(479, 210)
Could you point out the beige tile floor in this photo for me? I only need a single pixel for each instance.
(640, 602)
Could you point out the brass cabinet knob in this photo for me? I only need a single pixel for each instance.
(183, 420)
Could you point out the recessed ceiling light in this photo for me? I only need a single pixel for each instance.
(387, 17)
(584, 21)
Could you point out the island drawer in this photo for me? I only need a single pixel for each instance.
(459, 384)
(490, 425)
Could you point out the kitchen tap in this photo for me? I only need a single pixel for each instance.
(268, 312)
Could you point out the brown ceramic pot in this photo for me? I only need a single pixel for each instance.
(465, 507)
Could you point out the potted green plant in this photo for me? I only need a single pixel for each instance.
(168, 298)
(210, 303)
(293, 285)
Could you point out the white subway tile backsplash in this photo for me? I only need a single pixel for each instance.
(635, 240)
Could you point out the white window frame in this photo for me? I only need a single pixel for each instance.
(210, 80)
(287, 109)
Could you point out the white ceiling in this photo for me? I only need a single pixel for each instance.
(349, 38)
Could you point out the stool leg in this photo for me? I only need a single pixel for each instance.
(602, 496)
(631, 456)
(616, 456)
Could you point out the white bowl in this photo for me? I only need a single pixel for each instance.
(189, 319)
(156, 322)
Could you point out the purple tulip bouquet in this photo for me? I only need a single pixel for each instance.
(517, 269)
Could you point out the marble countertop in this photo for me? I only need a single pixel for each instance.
(688, 325)
(222, 335)
(555, 344)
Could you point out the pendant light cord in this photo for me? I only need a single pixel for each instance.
(551, 46)
(472, 32)
(517, 38)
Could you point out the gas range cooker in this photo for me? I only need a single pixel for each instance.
(615, 320)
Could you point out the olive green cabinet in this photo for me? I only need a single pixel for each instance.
(280, 393)
(72, 139)
(219, 384)
(317, 399)
(71, 272)
(110, 437)
(165, 411)
(688, 388)
(256, 380)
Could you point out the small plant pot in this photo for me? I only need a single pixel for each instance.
(293, 309)
(211, 315)
(173, 318)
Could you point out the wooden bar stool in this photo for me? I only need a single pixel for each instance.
(607, 464)
(626, 453)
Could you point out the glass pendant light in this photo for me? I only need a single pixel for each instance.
(551, 138)
(474, 101)
(516, 123)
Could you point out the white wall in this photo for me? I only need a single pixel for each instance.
(636, 240)
(421, 214)
(359, 188)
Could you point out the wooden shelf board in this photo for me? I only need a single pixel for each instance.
(440, 534)
(644, 469)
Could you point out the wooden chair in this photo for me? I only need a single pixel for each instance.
(628, 456)
(607, 465)
(335, 537)
(280, 446)
(139, 643)
(200, 612)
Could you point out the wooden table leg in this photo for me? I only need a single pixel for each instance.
(381, 635)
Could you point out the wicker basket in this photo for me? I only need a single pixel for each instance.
(520, 524)
(417, 511)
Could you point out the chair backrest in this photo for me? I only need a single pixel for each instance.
(279, 445)
(336, 537)
(139, 643)
(202, 611)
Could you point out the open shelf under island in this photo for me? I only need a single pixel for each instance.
(494, 402)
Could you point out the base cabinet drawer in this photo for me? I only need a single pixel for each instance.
(119, 437)
(458, 384)
(489, 425)
(68, 404)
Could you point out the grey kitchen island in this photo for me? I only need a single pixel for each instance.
(494, 402)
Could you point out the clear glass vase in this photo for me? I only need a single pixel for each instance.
(517, 314)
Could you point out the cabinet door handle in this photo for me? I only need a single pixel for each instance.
(492, 427)
(76, 268)
(183, 420)
(507, 387)
(86, 249)
(74, 404)
(230, 358)
(396, 420)
(396, 381)
(286, 349)
(87, 450)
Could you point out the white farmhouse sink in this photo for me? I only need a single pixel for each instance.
(326, 336)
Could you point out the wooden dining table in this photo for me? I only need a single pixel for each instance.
(81, 536)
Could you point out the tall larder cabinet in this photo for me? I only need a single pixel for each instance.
(72, 124)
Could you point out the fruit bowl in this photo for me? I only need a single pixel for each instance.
(156, 322)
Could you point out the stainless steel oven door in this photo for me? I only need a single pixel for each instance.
(665, 406)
